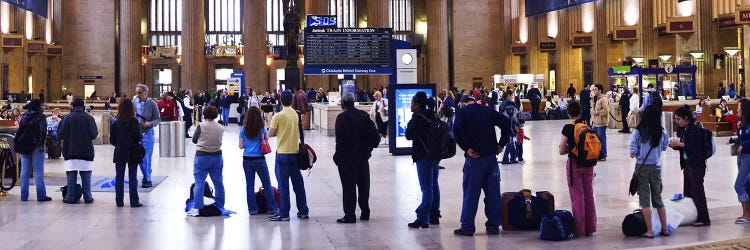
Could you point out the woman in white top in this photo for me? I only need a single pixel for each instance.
(635, 102)
(379, 114)
(699, 107)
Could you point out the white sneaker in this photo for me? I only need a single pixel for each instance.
(193, 212)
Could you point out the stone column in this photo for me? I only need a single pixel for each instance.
(193, 74)
(437, 43)
(377, 17)
(599, 49)
(254, 38)
(131, 71)
(316, 7)
(562, 59)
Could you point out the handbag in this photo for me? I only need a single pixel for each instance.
(633, 189)
(265, 148)
(306, 155)
(733, 149)
(633, 119)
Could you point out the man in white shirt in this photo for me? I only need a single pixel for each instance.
(188, 111)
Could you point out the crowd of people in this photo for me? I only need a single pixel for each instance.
(472, 117)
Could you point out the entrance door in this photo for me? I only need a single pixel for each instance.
(89, 89)
(223, 72)
(162, 81)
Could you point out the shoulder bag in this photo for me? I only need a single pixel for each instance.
(634, 180)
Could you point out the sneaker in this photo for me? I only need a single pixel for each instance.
(193, 212)
(462, 232)
(303, 216)
(278, 218)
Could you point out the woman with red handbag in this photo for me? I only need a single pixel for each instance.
(254, 142)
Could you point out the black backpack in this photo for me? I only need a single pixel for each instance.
(77, 192)
(634, 224)
(557, 226)
(27, 137)
(655, 99)
(441, 143)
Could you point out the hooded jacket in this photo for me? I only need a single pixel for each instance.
(77, 130)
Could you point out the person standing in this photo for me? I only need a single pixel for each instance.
(572, 92)
(721, 93)
(743, 161)
(379, 115)
(536, 98)
(33, 125)
(208, 160)
(690, 142)
(625, 110)
(167, 108)
(428, 211)
(147, 112)
(509, 109)
(356, 137)
(252, 134)
(126, 135)
(267, 106)
(474, 130)
(200, 101)
(600, 118)
(585, 96)
(225, 103)
(646, 145)
(188, 110)
(77, 131)
(580, 178)
(286, 126)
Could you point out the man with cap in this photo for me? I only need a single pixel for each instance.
(77, 130)
(284, 125)
(147, 112)
(474, 130)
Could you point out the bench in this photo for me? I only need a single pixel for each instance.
(719, 128)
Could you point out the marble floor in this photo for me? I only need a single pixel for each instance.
(162, 223)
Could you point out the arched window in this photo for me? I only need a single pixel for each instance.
(275, 22)
(345, 11)
(165, 23)
(223, 22)
(402, 19)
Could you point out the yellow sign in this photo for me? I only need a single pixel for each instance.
(226, 51)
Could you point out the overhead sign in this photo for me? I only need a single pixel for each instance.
(538, 7)
(348, 51)
(12, 41)
(89, 77)
(583, 40)
(742, 15)
(35, 46)
(328, 21)
(518, 49)
(547, 46)
(625, 33)
(38, 7)
(681, 25)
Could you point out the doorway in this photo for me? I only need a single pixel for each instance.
(223, 73)
(162, 80)
(89, 89)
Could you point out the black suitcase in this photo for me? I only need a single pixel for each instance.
(53, 148)
(634, 224)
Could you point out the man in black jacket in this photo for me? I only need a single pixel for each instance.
(586, 104)
(572, 92)
(76, 132)
(535, 96)
(356, 136)
(625, 109)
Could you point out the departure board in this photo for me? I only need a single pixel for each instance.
(348, 51)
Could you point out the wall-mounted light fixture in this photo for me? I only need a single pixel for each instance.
(631, 12)
(269, 60)
(552, 28)
(179, 60)
(242, 60)
(665, 57)
(421, 27)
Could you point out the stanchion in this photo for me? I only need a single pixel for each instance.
(6, 163)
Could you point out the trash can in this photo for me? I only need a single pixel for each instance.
(172, 139)
(667, 121)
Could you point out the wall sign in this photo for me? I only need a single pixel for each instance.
(89, 77)
(35, 46)
(681, 25)
(518, 49)
(53, 50)
(625, 33)
(548, 46)
(12, 41)
(583, 40)
(348, 51)
(742, 15)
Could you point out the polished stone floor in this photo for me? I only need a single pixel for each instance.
(162, 224)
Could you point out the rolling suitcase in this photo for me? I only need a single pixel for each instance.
(524, 211)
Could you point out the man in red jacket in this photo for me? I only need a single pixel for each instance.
(167, 108)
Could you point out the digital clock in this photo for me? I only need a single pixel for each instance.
(321, 21)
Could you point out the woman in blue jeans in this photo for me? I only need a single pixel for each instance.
(253, 161)
(33, 122)
(428, 211)
(208, 160)
(743, 161)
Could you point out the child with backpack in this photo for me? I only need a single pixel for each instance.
(582, 156)
(520, 137)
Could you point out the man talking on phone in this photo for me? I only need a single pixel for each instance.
(147, 113)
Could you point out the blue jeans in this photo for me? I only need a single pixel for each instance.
(225, 115)
(260, 167)
(85, 185)
(208, 165)
(519, 151)
(427, 171)
(481, 174)
(35, 162)
(743, 163)
(148, 144)
(602, 133)
(510, 152)
(286, 168)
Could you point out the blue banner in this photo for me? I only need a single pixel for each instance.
(38, 7)
(538, 7)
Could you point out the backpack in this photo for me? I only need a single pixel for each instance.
(77, 192)
(442, 144)
(557, 226)
(655, 99)
(588, 147)
(28, 137)
(708, 142)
